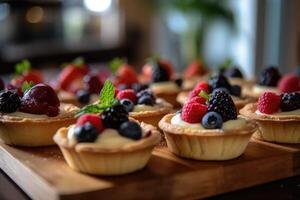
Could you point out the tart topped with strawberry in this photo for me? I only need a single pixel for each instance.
(33, 119)
(194, 73)
(105, 139)
(207, 128)
(278, 117)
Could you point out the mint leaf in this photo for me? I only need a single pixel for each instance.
(22, 67)
(27, 86)
(116, 63)
(107, 94)
(94, 108)
(79, 61)
(227, 63)
(204, 95)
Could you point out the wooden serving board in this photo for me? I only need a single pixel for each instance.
(43, 174)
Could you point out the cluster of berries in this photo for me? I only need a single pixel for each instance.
(270, 102)
(210, 111)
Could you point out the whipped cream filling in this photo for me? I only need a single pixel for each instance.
(293, 112)
(228, 125)
(168, 86)
(259, 89)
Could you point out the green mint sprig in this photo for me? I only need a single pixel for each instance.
(116, 63)
(204, 95)
(27, 86)
(22, 67)
(153, 59)
(106, 100)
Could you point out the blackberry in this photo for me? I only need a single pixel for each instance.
(137, 87)
(269, 77)
(233, 72)
(9, 101)
(114, 116)
(221, 102)
(290, 101)
(159, 74)
(219, 81)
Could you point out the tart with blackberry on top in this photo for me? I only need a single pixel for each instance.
(194, 73)
(77, 85)
(217, 82)
(144, 106)
(236, 77)
(278, 117)
(207, 129)
(33, 119)
(268, 81)
(105, 141)
(163, 84)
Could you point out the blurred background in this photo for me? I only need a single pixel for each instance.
(253, 33)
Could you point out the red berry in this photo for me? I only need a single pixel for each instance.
(197, 99)
(92, 118)
(92, 84)
(269, 103)
(126, 75)
(127, 94)
(194, 69)
(193, 112)
(289, 83)
(203, 86)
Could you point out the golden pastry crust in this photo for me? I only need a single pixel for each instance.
(215, 144)
(170, 98)
(93, 159)
(274, 128)
(19, 131)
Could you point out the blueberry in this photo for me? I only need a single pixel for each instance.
(128, 104)
(146, 100)
(178, 82)
(236, 90)
(86, 133)
(137, 87)
(131, 130)
(212, 120)
(83, 96)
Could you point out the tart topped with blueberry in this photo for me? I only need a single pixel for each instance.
(33, 119)
(278, 117)
(207, 129)
(144, 106)
(104, 139)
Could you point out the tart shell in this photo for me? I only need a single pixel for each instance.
(214, 144)
(169, 97)
(93, 159)
(274, 128)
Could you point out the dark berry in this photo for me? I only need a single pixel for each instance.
(159, 74)
(2, 85)
(221, 89)
(236, 90)
(290, 101)
(146, 92)
(137, 87)
(113, 117)
(146, 100)
(222, 103)
(212, 120)
(128, 104)
(9, 101)
(131, 130)
(233, 72)
(178, 82)
(92, 84)
(83, 96)
(219, 81)
(269, 77)
(86, 133)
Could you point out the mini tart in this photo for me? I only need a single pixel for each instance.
(69, 98)
(91, 158)
(167, 95)
(238, 102)
(274, 128)
(34, 131)
(153, 116)
(214, 144)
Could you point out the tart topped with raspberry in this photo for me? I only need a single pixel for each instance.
(105, 139)
(207, 128)
(278, 117)
(32, 120)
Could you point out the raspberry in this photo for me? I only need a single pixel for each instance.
(127, 94)
(203, 86)
(197, 99)
(193, 112)
(94, 119)
(289, 83)
(268, 103)
(126, 75)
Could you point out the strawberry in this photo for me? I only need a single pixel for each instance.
(289, 83)
(194, 69)
(197, 99)
(127, 94)
(269, 103)
(94, 119)
(193, 112)
(71, 78)
(126, 75)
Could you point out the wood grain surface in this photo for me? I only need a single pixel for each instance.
(43, 174)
